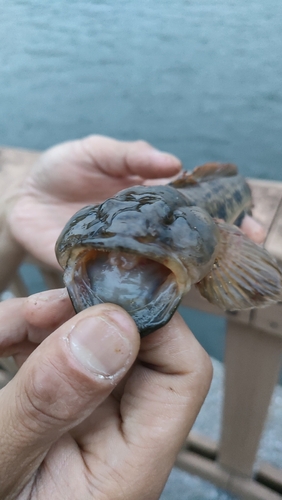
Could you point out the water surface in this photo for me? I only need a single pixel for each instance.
(202, 79)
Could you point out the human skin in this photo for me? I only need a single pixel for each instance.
(38, 203)
(110, 428)
(72, 175)
(92, 412)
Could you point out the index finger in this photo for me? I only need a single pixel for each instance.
(26, 322)
(253, 229)
(125, 158)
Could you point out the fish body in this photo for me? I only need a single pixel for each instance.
(146, 246)
(226, 198)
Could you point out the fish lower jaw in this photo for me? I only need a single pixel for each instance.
(146, 289)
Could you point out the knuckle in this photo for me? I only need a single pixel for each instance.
(48, 398)
(39, 399)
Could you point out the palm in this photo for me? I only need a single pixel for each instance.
(70, 432)
(72, 175)
(89, 468)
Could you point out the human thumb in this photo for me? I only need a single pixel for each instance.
(60, 384)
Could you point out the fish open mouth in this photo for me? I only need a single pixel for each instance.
(147, 289)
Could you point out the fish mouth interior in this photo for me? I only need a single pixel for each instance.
(127, 279)
(147, 289)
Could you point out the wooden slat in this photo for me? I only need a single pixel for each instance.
(203, 467)
(252, 364)
(251, 490)
(270, 476)
(211, 471)
(268, 319)
(203, 445)
(266, 198)
(273, 241)
(195, 300)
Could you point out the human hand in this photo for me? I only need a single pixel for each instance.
(83, 418)
(72, 175)
(77, 173)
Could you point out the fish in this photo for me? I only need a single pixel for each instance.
(144, 248)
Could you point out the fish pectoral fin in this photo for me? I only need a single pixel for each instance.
(244, 274)
(204, 173)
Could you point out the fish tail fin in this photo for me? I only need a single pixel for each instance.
(244, 274)
(206, 172)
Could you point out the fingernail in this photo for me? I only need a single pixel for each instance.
(100, 343)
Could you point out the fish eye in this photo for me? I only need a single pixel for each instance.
(169, 219)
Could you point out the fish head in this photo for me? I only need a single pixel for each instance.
(141, 250)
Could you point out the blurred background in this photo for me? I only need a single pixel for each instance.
(198, 78)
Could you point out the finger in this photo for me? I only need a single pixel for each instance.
(25, 322)
(176, 374)
(253, 229)
(60, 384)
(121, 159)
(162, 396)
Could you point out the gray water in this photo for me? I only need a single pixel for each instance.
(199, 78)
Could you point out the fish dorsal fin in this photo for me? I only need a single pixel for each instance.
(206, 172)
(244, 275)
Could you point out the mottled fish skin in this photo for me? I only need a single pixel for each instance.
(146, 246)
(154, 221)
(225, 198)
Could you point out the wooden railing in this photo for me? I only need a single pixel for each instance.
(252, 363)
(253, 356)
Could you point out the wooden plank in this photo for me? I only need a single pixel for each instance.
(200, 466)
(209, 470)
(270, 476)
(243, 317)
(273, 241)
(251, 490)
(203, 445)
(195, 300)
(266, 198)
(252, 364)
(268, 319)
